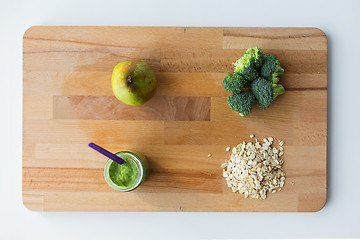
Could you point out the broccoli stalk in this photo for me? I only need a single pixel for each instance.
(265, 92)
(278, 89)
(271, 69)
(241, 103)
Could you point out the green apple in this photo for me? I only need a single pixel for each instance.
(133, 82)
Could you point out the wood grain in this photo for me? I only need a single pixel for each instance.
(215, 60)
(163, 108)
(102, 131)
(294, 106)
(211, 132)
(68, 102)
(275, 38)
(170, 83)
(129, 37)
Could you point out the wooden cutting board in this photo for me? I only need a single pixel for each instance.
(68, 102)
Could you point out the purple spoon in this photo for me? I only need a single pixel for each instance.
(106, 153)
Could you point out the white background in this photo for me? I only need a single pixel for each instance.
(340, 217)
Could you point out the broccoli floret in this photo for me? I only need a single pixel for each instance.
(235, 83)
(271, 69)
(252, 58)
(249, 73)
(241, 103)
(256, 56)
(265, 92)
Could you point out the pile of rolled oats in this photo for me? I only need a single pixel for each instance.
(255, 169)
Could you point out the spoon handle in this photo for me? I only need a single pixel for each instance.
(106, 153)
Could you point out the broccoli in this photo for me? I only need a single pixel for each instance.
(249, 73)
(256, 56)
(271, 69)
(265, 92)
(255, 79)
(252, 58)
(235, 83)
(241, 103)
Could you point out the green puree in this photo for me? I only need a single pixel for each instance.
(124, 175)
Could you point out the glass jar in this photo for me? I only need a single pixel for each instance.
(138, 160)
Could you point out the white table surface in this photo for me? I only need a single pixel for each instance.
(340, 217)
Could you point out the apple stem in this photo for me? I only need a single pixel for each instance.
(129, 79)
